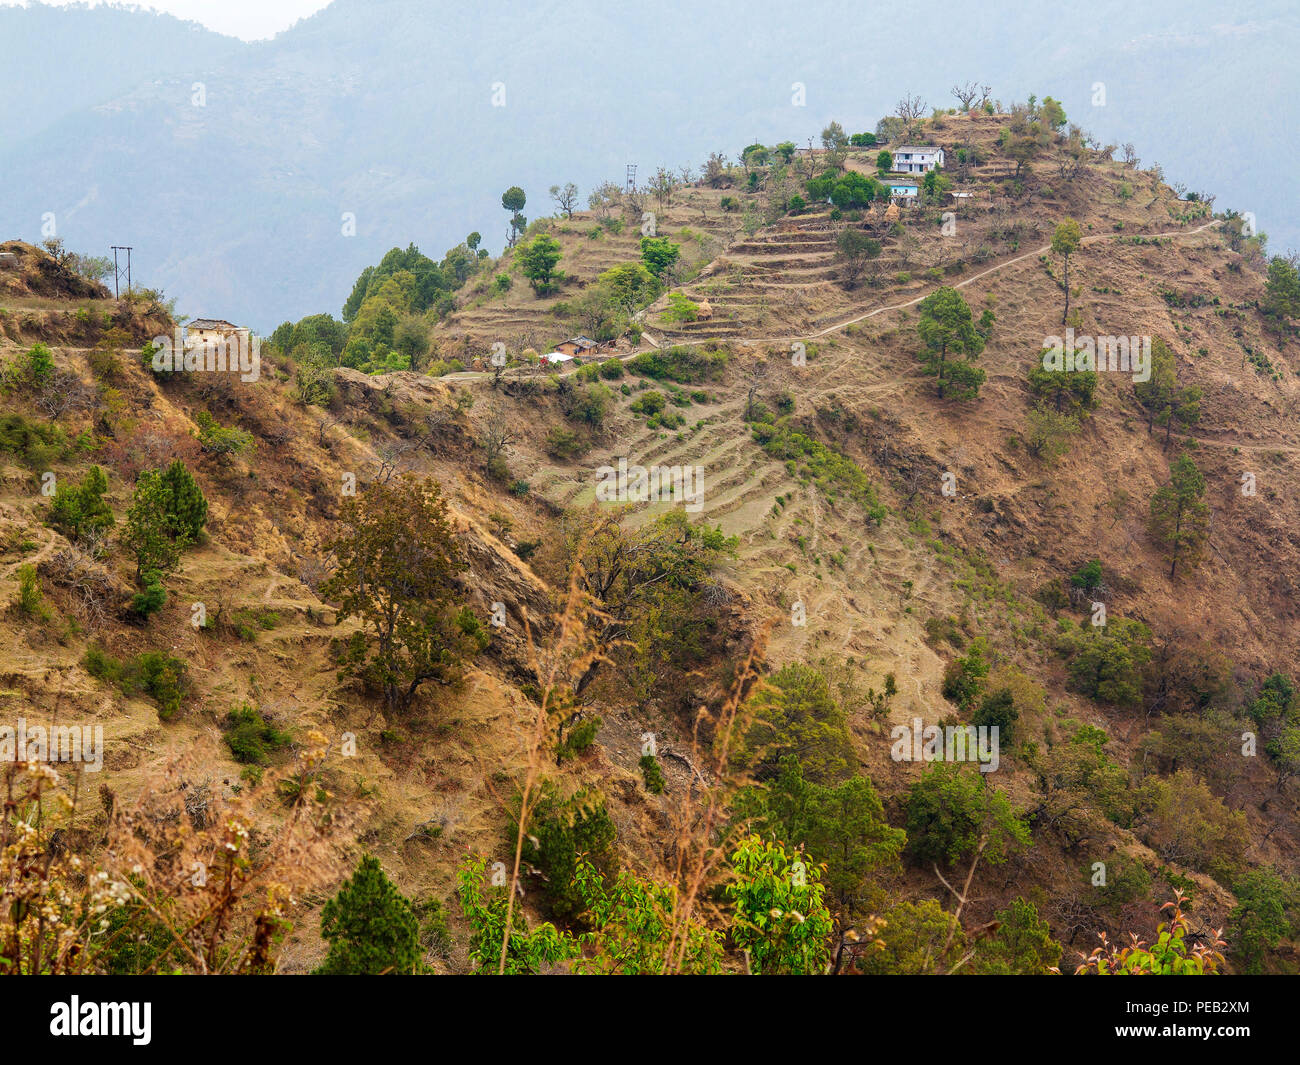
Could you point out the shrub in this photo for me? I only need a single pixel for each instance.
(652, 775)
(220, 440)
(650, 403)
(251, 736)
(37, 445)
(162, 678)
(564, 443)
(780, 920)
(964, 677)
(31, 601)
(153, 598)
(681, 363)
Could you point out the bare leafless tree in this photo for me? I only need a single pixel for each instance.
(495, 438)
(965, 94)
(910, 109)
(663, 184)
(754, 376)
(565, 197)
(603, 197)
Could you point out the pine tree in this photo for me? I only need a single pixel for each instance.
(187, 509)
(79, 509)
(371, 928)
(1167, 403)
(1180, 517)
(946, 329)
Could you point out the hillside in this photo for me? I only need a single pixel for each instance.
(881, 552)
(379, 110)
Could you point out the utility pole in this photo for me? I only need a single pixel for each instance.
(117, 272)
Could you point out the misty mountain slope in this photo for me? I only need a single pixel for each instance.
(384, 111)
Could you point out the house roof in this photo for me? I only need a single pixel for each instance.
(582, 342)
(210, 323)
(556, 356)
(914, 148)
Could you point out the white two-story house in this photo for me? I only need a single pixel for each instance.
(909, 159)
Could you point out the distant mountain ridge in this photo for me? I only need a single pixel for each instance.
(383, 110)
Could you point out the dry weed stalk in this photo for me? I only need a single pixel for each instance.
(701, 816)
(572, 650)
(208, 883)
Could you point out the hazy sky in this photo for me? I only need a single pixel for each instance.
(249, 19)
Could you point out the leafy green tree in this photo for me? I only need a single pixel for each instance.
(636, 928)
(527, 951)
(648, 585)
(1047, 434)
(935, 185)
(945, 328)
(884, 161)
(1023, 944)
(1052, 113)
(629, 286)
(1172, 954)
(397, 560)
(952, 812)
(852, 190)
(917, 939)
(1267, 912)
(964, 677)
(1282, 290)
(1107, 661)
(81, 509)
(842, 826)
(835, 142)
(1065, 242)
(538, 259)
(370, 927)
(1275, 700)
(659, 254)
(1180, 517)
(1183, 821)
(854, 249)
(780, 921)
(795, 714)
